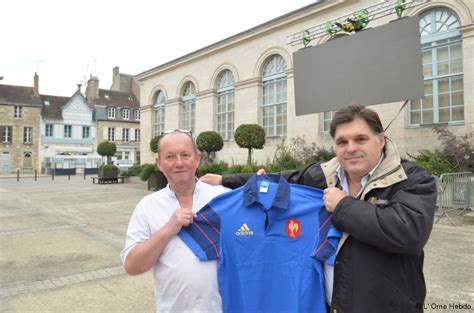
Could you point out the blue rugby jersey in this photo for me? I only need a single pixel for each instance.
(270, 238)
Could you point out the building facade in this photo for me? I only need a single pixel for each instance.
(45, 132)
(68, 133)
(248, 79)
(20, 110)
(118, 119)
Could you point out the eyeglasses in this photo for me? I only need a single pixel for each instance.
(184, 131)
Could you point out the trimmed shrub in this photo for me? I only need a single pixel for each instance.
(250, 136)
(135, 170)
(154, 143)
(209, 142)
(107, 148)
(147, 170)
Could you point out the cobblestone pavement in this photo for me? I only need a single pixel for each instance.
(60, 242)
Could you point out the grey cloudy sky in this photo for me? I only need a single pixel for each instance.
(66, 41)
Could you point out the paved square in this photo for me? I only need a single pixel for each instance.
(60, 242)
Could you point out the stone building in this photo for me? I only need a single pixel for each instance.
(118, 117)
(249, 78)
(20, 110)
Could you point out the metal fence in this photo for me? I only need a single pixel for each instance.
(455, 193)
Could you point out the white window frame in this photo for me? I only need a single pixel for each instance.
(7, 134)
(326, 119)
(125, 134)
(137, 114)
(27, 134)
(159, 114)
(188, 107)
(125, 114)
(49, 130)
(137, 134)
(273, 117)
(111, 113)
(67, 131)
(86, 130)
(439, 31)
(17, 111)
(225, 105)
(111, 134)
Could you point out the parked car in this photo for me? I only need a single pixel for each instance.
(124, 164)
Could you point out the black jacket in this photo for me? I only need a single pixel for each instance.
(379, 264)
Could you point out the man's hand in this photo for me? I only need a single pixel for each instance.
(182, 217)
(261, 172)
(331, 198)
(211, 179)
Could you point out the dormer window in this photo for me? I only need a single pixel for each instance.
(46, 103)
(111, 112)
(137, 115)
(126, 114)
(17, 111)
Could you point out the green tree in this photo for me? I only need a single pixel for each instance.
(107, 149)
(250, 136)
(209, 142)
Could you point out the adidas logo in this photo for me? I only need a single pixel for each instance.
(244, 230)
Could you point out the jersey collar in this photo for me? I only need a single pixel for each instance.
(282, 195)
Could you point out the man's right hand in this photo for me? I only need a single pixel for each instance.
(211, 179)
(181, 217)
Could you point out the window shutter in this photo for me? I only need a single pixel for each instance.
(132, 134)
(105, 135)
(118, 133)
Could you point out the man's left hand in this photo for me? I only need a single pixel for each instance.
(332, 196)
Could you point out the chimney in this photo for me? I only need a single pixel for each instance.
(92, 89)
(79, 87)
(36, 85)
(115, 79)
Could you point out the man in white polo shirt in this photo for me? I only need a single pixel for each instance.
(182, 282)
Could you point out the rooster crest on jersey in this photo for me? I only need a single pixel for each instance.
(293, 228)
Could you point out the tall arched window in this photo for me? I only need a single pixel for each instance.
(442, 70)
(188, 110)
(225, 105)
(273, 114)
(159, 118)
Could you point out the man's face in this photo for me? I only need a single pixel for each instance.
(177, 159)
(358, 149)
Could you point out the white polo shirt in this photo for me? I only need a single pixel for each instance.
(182, 282)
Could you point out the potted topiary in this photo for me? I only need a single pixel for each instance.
(156, 179)
(108, 170)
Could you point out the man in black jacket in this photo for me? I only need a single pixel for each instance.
(385, 207)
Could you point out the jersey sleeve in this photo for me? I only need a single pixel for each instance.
(203, 235)
(326, 247)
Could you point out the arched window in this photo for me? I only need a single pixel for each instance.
(188, 110)
(442, 70)
(225, 105)
(273, 114)
(159, 117)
